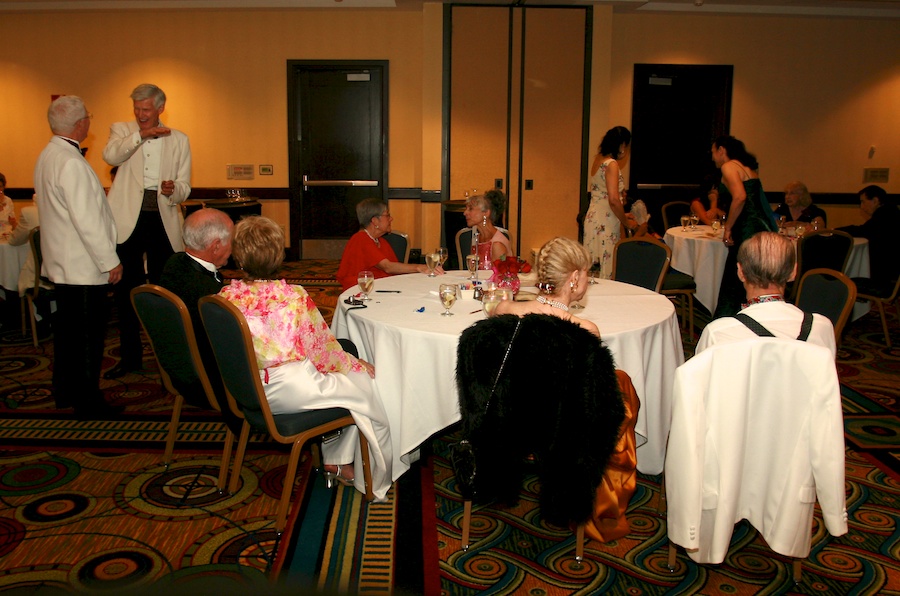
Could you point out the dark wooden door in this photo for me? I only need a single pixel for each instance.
(677, 111)
(337, 150)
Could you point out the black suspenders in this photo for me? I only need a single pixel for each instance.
(758, 329)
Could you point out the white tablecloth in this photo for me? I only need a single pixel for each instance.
(414, 354)
(12, 258)
(701, 254)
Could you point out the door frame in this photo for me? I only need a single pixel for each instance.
(295, 182)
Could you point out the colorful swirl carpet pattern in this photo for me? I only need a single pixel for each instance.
(90, 506)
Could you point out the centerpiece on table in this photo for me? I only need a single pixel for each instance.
(507, 271)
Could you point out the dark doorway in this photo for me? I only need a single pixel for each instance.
(337, 127)
(677, 111)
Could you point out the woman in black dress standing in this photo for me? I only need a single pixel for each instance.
(741, 196)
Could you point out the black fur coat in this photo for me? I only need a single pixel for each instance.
(557, 399)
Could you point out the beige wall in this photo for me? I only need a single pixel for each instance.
(811, 95)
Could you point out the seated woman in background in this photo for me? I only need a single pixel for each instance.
(562, 280)
(7, 210)
(483, 213)
(706, 204)
(366, 252)
(798, 207)
(301, 364)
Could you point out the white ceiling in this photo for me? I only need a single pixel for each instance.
(830, 8)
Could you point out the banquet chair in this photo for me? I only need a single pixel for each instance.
(756, 434)
(567, 415)
(400, 244)
(682, 286)
(41, 288)
(464, 244)
(830, 293)
(641, 261)
(232, 344)
(167, 323)
(880, 297)
(821, 249)
(672, 212)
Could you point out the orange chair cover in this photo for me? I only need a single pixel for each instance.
(620, 480)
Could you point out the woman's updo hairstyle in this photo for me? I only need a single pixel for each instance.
(258, 247)
(557, 259)
(736, 149)
(493, 200)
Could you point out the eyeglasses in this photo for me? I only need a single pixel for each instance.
(87, 116)
(388, 214)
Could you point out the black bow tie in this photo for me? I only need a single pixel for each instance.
(83, 150)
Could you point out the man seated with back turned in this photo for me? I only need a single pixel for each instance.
(194, 273)
(766, 263)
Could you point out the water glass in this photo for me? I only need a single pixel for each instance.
(431, 261)
(448, 294)
(694, 221)
(366, 280)
(489, 302)
(685, 222)
(442, 255)
(472, 266)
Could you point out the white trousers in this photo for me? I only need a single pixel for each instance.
(298, 386)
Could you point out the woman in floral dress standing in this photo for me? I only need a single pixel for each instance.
(606, 214)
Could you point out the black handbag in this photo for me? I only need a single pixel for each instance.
(462, 454)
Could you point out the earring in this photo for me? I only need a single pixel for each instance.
(484, 220)
(571, 285)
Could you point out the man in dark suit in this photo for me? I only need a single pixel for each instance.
(194, 273)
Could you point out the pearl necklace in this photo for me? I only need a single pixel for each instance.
(553, 303)
(374, 239)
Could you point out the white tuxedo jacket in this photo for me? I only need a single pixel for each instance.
(78, 234)
(127, 192)
(757, 433)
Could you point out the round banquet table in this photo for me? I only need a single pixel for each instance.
(413, 348)
(12, 258)
(701, 254)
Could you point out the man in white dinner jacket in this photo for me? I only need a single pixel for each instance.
(153, 179)
(766, 263)
(78, 242)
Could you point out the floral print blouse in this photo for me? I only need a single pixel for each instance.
(286, 326)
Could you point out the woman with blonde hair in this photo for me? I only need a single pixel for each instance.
(301, 364)
(798, 207)
(562, 280)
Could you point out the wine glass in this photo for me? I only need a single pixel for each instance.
(594, 272)
(489, 302)
(801, 229)
(715, 225)
(443, 254)
(781, 221)
(366, 280)
(448, 294)
(431, 261)
(685, 222)
(694, 221)
(472, 266)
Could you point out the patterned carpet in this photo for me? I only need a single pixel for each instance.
(88, 505)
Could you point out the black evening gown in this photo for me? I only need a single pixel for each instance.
(756, 216)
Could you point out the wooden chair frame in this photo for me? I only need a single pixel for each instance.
(880, 301)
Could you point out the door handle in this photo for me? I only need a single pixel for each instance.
(307, 182)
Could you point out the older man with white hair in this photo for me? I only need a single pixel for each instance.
(766, 262)
(78, 243)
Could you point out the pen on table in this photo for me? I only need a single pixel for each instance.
(475, 311)
(388, 291)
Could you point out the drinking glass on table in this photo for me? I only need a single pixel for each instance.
(489, 302)
(448, 294)
(685, 222)
(694, 221)
(442, 254)
(594, 273)
(472, 266)
(431, 261)
(366, 280)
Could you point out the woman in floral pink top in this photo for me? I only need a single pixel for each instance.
(302, 365)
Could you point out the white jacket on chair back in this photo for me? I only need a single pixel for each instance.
(757, 433)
